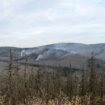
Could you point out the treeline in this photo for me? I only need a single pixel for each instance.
(23, 86)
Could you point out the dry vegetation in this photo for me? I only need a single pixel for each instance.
(31, 86)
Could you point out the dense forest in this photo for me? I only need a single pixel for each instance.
(63, 86)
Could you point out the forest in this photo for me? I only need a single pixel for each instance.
(23, 85)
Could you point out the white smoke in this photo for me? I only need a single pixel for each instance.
(40, 57)
(25, 52)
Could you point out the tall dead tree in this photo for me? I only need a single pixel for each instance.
(9, 98)
(92, 82)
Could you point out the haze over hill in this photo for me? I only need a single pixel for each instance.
(58, 50)
(61, 50)
(60, 53)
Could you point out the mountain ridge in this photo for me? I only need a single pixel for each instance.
(69, 48)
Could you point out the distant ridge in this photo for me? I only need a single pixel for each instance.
(58, 48)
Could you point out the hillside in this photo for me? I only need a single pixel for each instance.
(54, 54)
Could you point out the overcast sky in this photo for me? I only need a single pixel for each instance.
(28, 23)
